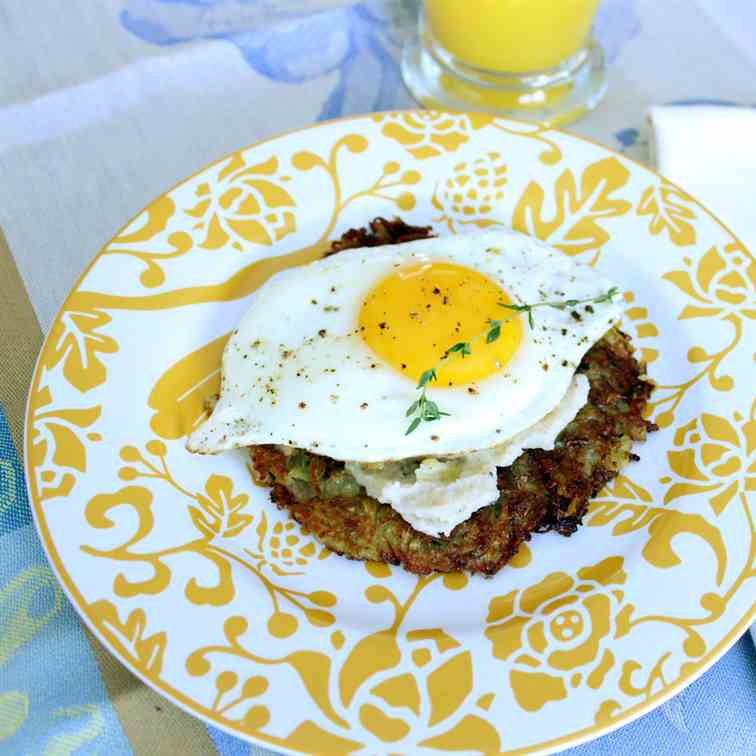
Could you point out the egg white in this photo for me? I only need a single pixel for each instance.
(296, 371)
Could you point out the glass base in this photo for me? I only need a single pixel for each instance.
(559, 96)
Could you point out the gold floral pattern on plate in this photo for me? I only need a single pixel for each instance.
(557, 630)
(721, 284)
(192, 577)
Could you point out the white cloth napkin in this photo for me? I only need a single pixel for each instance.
(710, 152)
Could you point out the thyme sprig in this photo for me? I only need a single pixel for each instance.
(561, 304)
(423, 410)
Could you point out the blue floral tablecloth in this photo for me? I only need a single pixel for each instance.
(104, 105)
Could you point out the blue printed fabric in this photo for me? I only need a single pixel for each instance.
(357, 44)
(52, 699)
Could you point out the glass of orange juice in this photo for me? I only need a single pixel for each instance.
(532, 59)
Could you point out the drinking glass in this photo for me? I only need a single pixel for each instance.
(531, 59)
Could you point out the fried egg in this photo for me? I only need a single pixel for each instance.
(328, 356)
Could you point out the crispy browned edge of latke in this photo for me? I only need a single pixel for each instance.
(540, 491)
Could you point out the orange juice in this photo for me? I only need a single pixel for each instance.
(510, 36)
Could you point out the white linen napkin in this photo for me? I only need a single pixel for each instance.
(710, 152)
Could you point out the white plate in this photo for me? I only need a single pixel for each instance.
(193, 579)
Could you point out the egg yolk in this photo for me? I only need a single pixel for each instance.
(412, 317)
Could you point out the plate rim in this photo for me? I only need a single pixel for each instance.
(194, 708)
